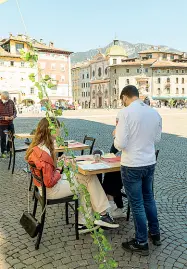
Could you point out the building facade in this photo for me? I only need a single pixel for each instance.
(94, 78)
(54, 62)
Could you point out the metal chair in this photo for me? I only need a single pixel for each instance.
(14, 150)
(124, 194)
(88, 138)
(45, 202)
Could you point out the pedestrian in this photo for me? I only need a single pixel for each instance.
(7, 114)
(147, 101)
(138, 129)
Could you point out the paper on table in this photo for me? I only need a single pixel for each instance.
(84, 162)
(109, 155)
(94, 166)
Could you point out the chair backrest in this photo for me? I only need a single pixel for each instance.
(88, 138)
(38, 176)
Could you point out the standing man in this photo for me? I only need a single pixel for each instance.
(7, 115)
(138, 129)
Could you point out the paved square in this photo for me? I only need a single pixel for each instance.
(58, 248)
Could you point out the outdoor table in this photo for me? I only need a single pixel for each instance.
(72, 144)
(87, 165)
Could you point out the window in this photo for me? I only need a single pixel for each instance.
(159, 80)
(127, 71)
(183, 71)
(53, 77)
(168, 80)
(83, 76)
(177, 80)
(115, 71)
(62, 78)
(177, 71)
(168, 71)
(149, 56)
(62, 67)
(87, 76)
(138, 70)
(82, 94)
(182, 90)
(115, 82)
(177, 90)
(22, 79)
(127, 81)
(32, 91)
(146, 70)
(106, 71)
(19, 46)
(158, 91)
(11, 63)
(171, 57)
(106, 94)
(182, 80)
(1, 63)
(93, 74)
(99, 72)
(53, 66)
(22, 64)
(168, 90)
(88, 93)
(114, 61)
(164, 56)
(114, 91)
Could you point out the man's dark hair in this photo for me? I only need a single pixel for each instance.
(129, 91)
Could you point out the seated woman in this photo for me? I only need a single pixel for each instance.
(112, 185)
(41, 152)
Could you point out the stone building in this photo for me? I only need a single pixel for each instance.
(14, 71)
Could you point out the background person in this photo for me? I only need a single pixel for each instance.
(7, 114)
(138, 129)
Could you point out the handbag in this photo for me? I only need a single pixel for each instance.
(31, 225)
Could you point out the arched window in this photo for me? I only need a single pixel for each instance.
(106, 71)
(168, 80)
(93, 73)
(99, 71)
(115, 91)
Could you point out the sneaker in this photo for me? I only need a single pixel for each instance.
(118, 213)
(155, 238)
(83, 229)
(106, 221)
(135, 247)
(3, 156)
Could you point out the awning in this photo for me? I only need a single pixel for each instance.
(169, 97)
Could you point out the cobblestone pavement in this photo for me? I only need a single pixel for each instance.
(59, 249)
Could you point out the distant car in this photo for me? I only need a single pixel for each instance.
(71, 107)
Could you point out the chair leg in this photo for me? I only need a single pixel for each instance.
(35, 207)
(39, 237)
(128, 212)
(67, 213)
(76, 219)
(14, 159)
(30, 186)
(10, 160)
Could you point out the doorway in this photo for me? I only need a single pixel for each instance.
(100, 102)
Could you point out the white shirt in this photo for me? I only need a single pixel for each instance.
(138, 129)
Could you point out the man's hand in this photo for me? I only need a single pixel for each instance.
(114, 133)
(8, 118)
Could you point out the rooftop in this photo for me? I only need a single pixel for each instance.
(160, 51)
(37, 44)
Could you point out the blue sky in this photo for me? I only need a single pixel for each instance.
(79, 25)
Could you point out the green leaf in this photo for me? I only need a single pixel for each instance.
(32, 77)
(47, 77)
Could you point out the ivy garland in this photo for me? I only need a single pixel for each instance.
(42, 83)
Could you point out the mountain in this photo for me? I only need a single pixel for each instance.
(131, 50)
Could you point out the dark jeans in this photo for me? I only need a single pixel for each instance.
(138, 183)
(5, 146)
